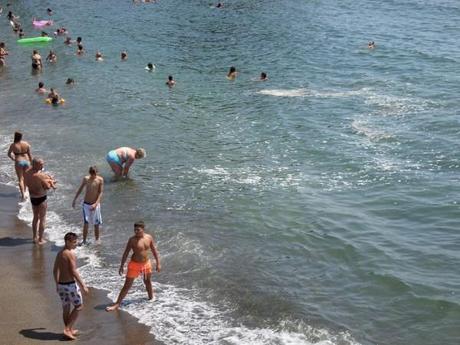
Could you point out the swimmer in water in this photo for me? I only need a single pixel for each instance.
(170, 82)
(80, 50)
(219, 5)
(52, 57)
(36, 61)
(124, 55)
(263, 76)
(44, 34)
(232, 73)
(49, 11)
(68, 40)
(99, 56)
(150, 67)
(70, 81)
(21, 33)
(371, 45)
(41, 90)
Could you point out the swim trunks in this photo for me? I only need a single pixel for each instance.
(69, 293)
(23, 164)
(37, 201)
(136, 268)
(112, 157)
(90, 216)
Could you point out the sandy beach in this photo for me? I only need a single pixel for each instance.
(30, 311)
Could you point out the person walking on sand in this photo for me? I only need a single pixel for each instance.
(121, 159)
(19, 152)
(38, 183)
(94, 187)
(140, 244)
(66, 278)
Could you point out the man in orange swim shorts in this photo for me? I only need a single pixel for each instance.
(140, 244)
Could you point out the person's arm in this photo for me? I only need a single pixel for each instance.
(75, 274)
(125, 256)
(127, 165)
(28, 153)
(10, 151)
(83, 182)
(155, 253)
(56, 271)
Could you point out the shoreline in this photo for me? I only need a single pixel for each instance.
(30, 309)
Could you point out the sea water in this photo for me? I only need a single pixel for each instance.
(318, 207)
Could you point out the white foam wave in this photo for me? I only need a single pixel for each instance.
(284, 93)
(240, 176)
(361, 127)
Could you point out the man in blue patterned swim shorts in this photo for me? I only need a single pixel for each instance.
(66, 277)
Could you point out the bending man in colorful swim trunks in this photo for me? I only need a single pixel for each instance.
(38, 183)
(121, 159)
(140, 244)
(66, 277)
(91, 206)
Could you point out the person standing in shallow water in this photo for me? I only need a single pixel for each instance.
(140, 244)
(19, 152)
(94, 187)
(38, 183)
(68, 284)
(232, 73)
(121, 159)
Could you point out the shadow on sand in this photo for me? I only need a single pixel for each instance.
(12, 242)
(39, 334)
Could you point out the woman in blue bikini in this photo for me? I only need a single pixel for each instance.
(121, 159)
(19, 152)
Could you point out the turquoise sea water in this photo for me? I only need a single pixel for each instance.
(319, 207)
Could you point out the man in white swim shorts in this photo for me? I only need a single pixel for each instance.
(91, 206)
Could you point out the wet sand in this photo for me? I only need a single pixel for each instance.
(30, 309)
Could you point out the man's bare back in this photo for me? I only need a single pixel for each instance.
(64, 260)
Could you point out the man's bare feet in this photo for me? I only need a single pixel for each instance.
(41, 242)
(75, 331)
(112, 307)
(68, 334)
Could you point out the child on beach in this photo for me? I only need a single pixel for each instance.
(68, 284)
(140, 244)
(94, 187)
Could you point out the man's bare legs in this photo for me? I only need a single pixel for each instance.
(85, 232)
(123, 293)
(96, 232)
(39, 222)
(42, 221)
(69, 320)
(148, 285)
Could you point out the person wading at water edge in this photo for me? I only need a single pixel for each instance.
(140, 244)
(91, 206)
(38, 183)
